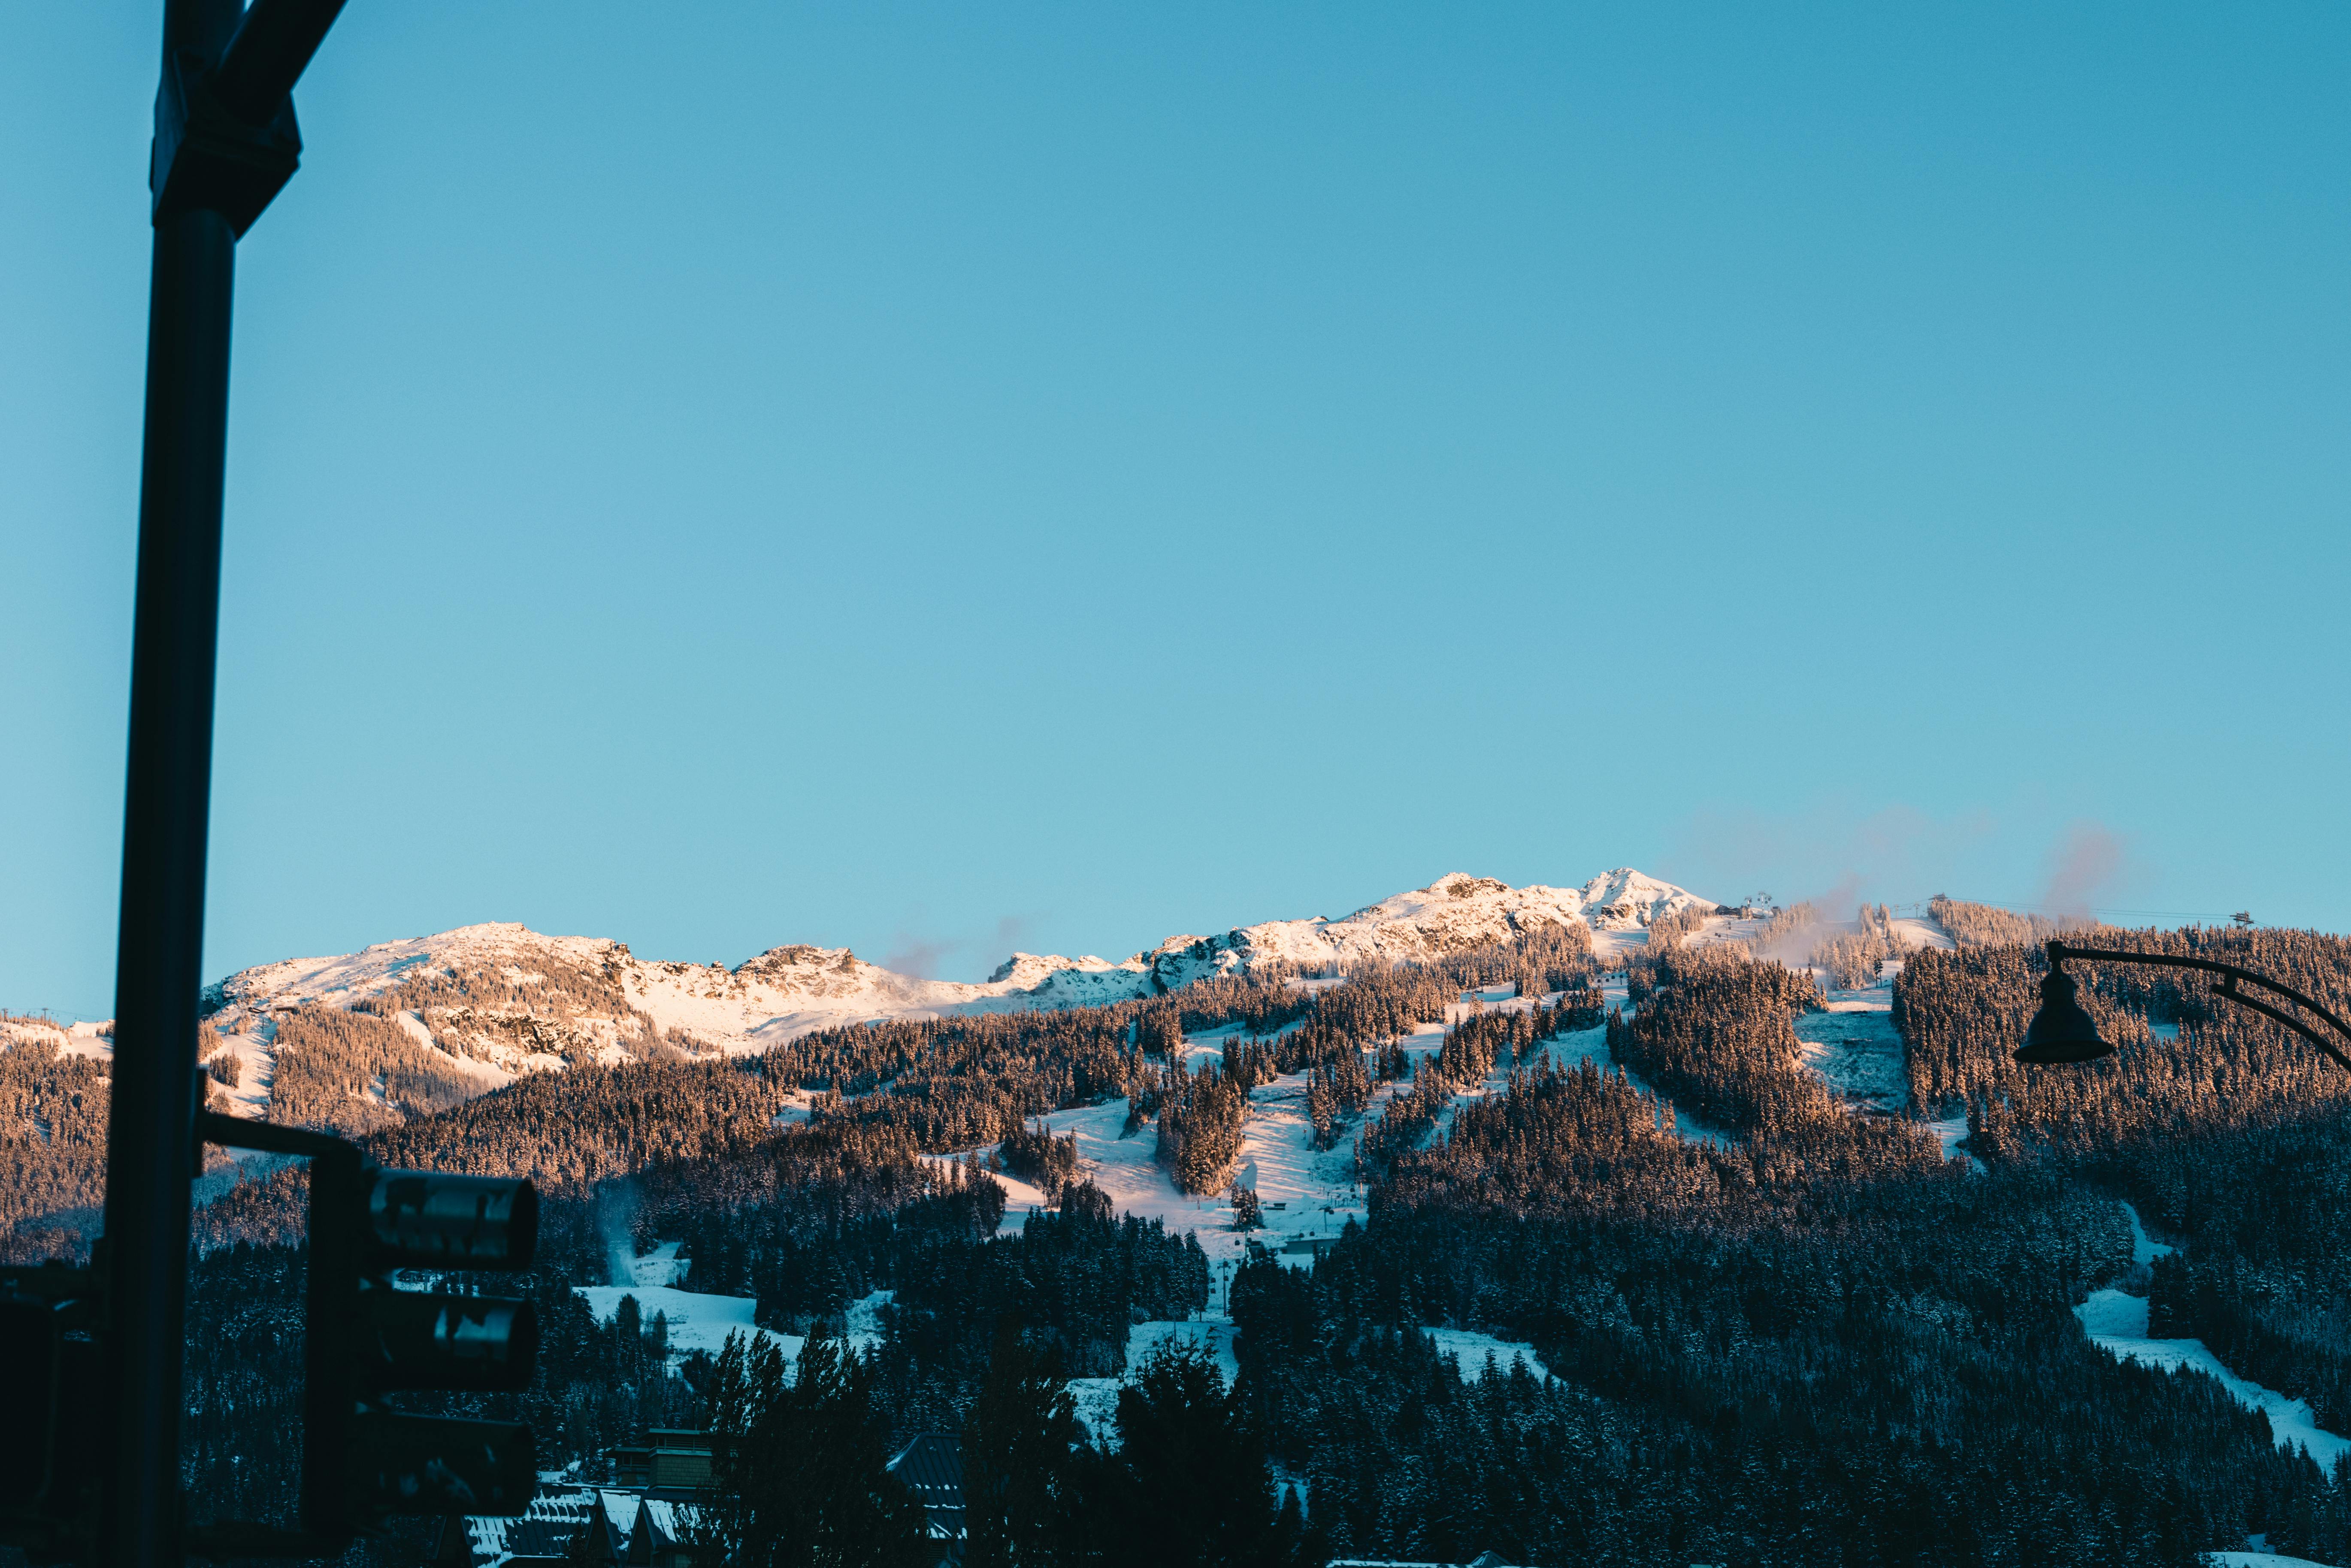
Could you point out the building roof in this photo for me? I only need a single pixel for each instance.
(932, 1463)
(545, 1529)
(932, 1468)
(665, 1520)
(542, 1537)
(553, 1521)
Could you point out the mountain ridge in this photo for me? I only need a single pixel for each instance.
(505, 999)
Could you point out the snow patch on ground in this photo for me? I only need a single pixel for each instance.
(1593, 1044)
(2118, 1323)
(1097, 1397)
(702, 1322)
(661, 1265)
(2143, 1250)
(1215, 1335)
(1952, 1132)
(1923, 931)
(67, 1039)
(1020, 1197)
(1468, 1351)
(1854, 1049)
(1096, 1403)
(1567, 1051)
(1304, 1195)
(696, 1321)
(864, 1318)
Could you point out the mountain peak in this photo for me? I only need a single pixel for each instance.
(510, 1000)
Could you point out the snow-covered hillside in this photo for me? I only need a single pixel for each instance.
(65, 1039)
(1451, 915)
(501, 1000)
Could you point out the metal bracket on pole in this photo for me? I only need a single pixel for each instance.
(204, 157)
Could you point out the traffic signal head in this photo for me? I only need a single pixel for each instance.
(368, 1338)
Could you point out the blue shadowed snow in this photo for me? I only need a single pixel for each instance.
(2142, 1249)
(2118, 1323)
(1855, 1049)
(696, 1321)
(1468, 1349)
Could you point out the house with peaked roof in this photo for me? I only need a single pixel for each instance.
(932, 1468)
(670, 1456)
(541, 1535)
(659, 1538)
(646, 1528)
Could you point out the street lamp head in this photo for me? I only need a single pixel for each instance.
(2062, 1031)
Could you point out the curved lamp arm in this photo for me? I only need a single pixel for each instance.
(2232, 978)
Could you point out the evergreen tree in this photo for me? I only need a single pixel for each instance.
(802, 1475)
(1185, 1439)
(1020, 1457)
(1246, 1214)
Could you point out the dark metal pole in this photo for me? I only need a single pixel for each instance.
(159, 962)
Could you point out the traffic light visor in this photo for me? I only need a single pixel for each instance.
(418, 1339)
(425, 1219)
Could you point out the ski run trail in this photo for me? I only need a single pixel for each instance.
(1307, 1197)
(2117, 1323)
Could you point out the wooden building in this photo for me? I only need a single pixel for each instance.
(671, 1457)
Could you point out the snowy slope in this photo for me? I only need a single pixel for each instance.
(702, 1322)
(1306, 1195)
(65, 1038)
(1451, 915)
(499, 1000)
(533, 1002)
(2117, 1323)
(1855, 1048)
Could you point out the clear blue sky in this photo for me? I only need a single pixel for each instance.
(939, 478)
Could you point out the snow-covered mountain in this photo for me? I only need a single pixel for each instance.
(1451, 915)
(505, 999)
